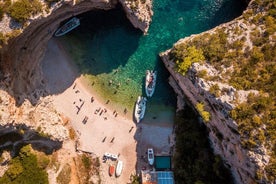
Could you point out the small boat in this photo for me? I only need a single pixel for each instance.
(111, 170)
(110, 156)
(119, 168)
(68, 26)
(140, 108)
(150, 82)
(150, 156)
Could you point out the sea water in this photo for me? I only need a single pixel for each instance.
(114, 56)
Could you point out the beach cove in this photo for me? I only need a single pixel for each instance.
(79, 67)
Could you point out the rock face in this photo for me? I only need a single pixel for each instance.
(20, 58)
(223, 133)
(139, 14)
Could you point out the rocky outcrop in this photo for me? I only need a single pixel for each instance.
(42, 118)
(223, 131)
(20, 58)
(139, 13)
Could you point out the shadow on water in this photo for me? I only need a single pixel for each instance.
(228, 10)
(13, 138)
(104, 41)
(107, 40)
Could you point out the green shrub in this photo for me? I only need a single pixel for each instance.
(134, 179)
(214, 89)
(25, 169)
(185, 56)
(86, 161)
(22, 10)
(204, 114)
(1, 13)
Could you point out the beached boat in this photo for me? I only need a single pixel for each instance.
(150, 82)
(69, 26)
(111, 170)
(140, 108)
(119, 168)
(150, 156)
(110, 156)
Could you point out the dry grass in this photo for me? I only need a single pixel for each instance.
(64, 176)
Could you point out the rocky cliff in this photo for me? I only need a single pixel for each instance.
(213, 83)
(20, 57)
(223, 133)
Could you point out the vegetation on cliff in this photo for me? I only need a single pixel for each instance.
(194, 161)
(26, 168)
(21, 10)
(203, 113)
(244, 55)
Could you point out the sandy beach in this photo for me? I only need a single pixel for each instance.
(100, 128)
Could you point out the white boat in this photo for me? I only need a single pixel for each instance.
(69, 26)
(150, 82)
(140, 108)
(150, 156)
(119, 168)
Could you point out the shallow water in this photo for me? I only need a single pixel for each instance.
(114, 56)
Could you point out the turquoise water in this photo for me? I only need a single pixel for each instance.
(108, 49)
(162, 162)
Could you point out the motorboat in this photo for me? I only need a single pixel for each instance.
(68, 26)
(150, 156)
(150, 82)
(140, 108)
(119, 168)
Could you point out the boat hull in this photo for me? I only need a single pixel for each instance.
(150, 82)
(68, 26)
(119, 168)
(150, 156)
(111, 170)
(140, 108)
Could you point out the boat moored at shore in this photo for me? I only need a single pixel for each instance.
(140, 108)
(68, 26)
(150, 82)
(111, 170)
(150, 156)
(119, 168)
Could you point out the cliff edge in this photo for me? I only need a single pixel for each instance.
(227, 75)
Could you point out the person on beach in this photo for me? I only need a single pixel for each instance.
(112, 140)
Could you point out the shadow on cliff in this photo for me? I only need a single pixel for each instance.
(14, 137)
(104, 41)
